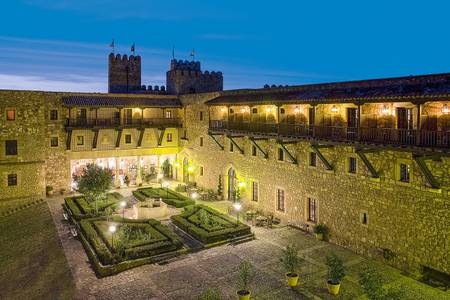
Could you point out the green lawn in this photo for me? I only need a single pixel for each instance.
(33, 264)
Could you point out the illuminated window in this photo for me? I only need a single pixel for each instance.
(352, 165)
(53, 114)
(280, 200)
(12, 179)
(169, 137)
(80, 140)
(54, 141)
(11, 147)
(312, 159)
(10, 115)
(312, 210)
(168, 114)
(404, 173)
(128, 138)
(255, 191)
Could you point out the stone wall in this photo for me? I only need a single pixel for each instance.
(408, 219)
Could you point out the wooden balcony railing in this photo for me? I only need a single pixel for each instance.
(116, 122)
(385, 136)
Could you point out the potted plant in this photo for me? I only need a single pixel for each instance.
(220, 188)
(49, 190)
(335, 273)
(320, 230)
(291, 262)
(246, 273)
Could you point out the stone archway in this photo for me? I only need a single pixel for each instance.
(185, 170)
(231, 184)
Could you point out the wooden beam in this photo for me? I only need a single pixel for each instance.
(217, 142)
(293, 159)
(362, 155)
(160, 135)
(119, 137)
(94, 140)
(420, 160)
(141, 137)
(69, 139)
(265, 153)
(316, 149)
(234, 143)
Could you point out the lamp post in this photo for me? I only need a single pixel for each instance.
(112, 229)
(237, 206)
(194, 195)
(123, 204)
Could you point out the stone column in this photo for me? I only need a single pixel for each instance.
(117, 180)
(139, 171)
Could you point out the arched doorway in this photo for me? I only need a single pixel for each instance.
(185, 170)
(231, 184)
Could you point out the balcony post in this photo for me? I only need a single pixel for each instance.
(96, 116)
(359, 121)
(68, 119)
(418, 130)
(120, 116)
(142, 116)
(228, 117)
(278, 120)
(312, 122)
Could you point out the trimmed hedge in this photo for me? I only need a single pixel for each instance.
(184, 221)
(168, 196)
(80, 208)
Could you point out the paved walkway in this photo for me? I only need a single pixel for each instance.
(186, 277)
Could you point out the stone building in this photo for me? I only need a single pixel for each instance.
(370, 159)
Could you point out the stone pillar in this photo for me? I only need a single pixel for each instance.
(117, 180)
(139, 171)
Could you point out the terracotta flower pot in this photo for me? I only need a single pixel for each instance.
(243, 294)
(292, 279)
(333, 288)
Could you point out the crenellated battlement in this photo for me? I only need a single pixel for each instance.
(124, 73)
(124, 59)
(184, 65)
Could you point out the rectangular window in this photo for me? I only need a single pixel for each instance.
(280, 200)
(11, 147)
(254, 110)
(80, 140)
(54, 141)
(253, 150)
(255, 191)
(169, 137)
(280, 154)
(352, 165)
(201, 171)
(364, 218)
(128, 138)
(168, 114)
(10, 114)
(12, 179)
(201, 141)
(231, 147)
(312, 210)
(201, 116)
(312, 159)
(282, 111)
(53, 114)
(404, 173)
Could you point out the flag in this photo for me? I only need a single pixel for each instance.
(173, 52)
(192, 54)
(112, 44)
(133, 47)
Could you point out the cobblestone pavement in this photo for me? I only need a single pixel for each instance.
(189, 275)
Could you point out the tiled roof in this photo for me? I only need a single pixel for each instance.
(378, 89)
(116, 101)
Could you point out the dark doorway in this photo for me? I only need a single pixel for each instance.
(405, 125)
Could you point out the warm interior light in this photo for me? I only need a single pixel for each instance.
(241, 184)
(160, 176)
(296, 109)
(237, 206)
(385, 110)
(268, 110)
(223, 109)
(445, 109)
(243, 110)
(177, 165)
(190, 169)
(334, 109)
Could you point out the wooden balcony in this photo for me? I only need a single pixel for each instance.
(382, 136)
(123, 123)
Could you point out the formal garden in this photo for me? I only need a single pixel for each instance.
(167, 195)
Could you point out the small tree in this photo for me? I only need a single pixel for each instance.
(290, 259)
(126, 180)
(94, 183)
(320, 229)
(219, 186)
(210, 294)
(372, 283)
(335, 269)
(166, 168)
(246, 274)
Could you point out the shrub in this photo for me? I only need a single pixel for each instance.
(290, 259)
(335, 269)
(372, 283)
(320, 229)
(246, 274)
(126, 180)
(210, 294)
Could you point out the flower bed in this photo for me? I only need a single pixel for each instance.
(80, 208)
(208, 225)
(168, 196)
(135, 242)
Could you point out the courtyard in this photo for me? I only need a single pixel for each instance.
(188, 275)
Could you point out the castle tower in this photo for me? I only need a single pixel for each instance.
(186, 77)
(124, 74)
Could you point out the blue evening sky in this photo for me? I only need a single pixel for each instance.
(63, 44)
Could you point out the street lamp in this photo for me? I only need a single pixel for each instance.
(237, 206)
(112, 229)
(194, 195)
(123, 204)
